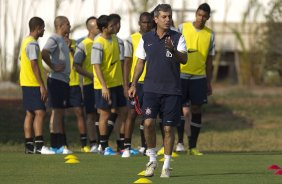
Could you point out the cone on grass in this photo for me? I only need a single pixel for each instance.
(273, 167)
(72, 161)
(71, 157)
(143, 180)
(142, 173)
(278, 172)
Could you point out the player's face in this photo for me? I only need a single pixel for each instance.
(66, 27)
(164, 20)
(201, 18)
(116, 27)
(111, 28)
(145, 24)
(94, 27)
(41, 30)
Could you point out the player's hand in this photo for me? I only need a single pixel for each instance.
(169, 44)
(58, 67)
(132, 92)
(106, 95)
(43, 93)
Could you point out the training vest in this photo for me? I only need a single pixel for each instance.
(27, 77)
(135, 38)
(110, 65)
(86, 65)
(74, 76)
(198, 44)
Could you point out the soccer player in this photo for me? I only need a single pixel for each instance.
(131, 43)
(75, 97)
(82, 64)
(56, 55)
(109, 97)
(32, 81)
(197, 73)
(164, 50)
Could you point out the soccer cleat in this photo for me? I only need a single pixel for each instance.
(85, 149)
(126, 153)
(46, 151)
(142, 150)
(180, 147)
(150, 168)
(66, 151)
(195, 152)
(94, 149)
(165, 173)
(161, 151)
(109, 151)
(100, 148)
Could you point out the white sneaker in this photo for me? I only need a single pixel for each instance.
(180, 147)
(46, 151)
(126, 153)
(142, 150)
(94, 149)
(150, 168)
(66, 151)
(100, 148)
(165, 173)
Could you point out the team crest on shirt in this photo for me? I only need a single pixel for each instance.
(132, 102)
(168, 53)
(148, 111)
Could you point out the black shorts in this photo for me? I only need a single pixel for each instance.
(32, 99)
(75, 98)
(139, 93)
(89, 98)
(167, 105)
(194, 91)
(58, 93)
(117, 97)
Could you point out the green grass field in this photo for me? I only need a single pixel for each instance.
(220, 168)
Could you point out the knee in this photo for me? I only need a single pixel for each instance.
(40, 113)
(167, 130)
(148, 125)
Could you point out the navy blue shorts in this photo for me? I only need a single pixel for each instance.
(58, 93)
(75, 98)
(89, 98)
(167, 105)
(194, 91)
(117, 97)
(139, 93)
(32, 99)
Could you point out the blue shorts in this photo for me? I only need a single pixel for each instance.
(58, 93)
(139, 93)
(167, 105)
(75, 98)
(194, 91)
(32, 99)
(89, 98)
(117, 97)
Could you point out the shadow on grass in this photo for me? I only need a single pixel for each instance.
(217, 174)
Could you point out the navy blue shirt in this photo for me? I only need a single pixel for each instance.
(163, 70)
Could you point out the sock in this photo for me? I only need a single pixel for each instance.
(29, 146)
(83, 140)
(61, 141)
(195, 129)
(97, 132)
(180, 131)
(152, 154)
(127, 143)
(167, 159)
(143, 141)
(121, 141)
(104, 141)
(54, 140)
(111, 124)
(39, 142)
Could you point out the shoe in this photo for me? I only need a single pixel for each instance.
(165, 173)
(54, 149)
(161, 151)
(142, 150)
(100, 148)
(85, 149)
(150, 168)
(45, 151)
(126, 153)
(109, 151)
(194, 151)
(94, 149)
(134, 152)
(180, 147)
(66, 151)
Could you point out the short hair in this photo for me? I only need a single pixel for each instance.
(162, 7)
(145, 14)
(35, 22)
(90, 18)
(103, 22)
(59, 21)
(114, 17)
(205, 7)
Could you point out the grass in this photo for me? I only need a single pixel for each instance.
(217, 168)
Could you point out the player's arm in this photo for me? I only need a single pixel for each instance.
(209, 66)
(78, 68)
(128, 50)
(37, 74)
(137, 73)
(100, 76)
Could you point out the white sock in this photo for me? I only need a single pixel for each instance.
(152, 154)
(167, 159)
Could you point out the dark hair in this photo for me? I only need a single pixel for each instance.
(145, 14)
(35, 22)
(90, 18)
(114, 17)
(205, 7)
(102, 22)
(162, 7)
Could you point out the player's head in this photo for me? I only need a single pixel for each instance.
(105, 25)
(91, 25)
(163, 16)
(202, 15)
(145, 22)
(115, 19)
(36, 24)
(62, 25)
